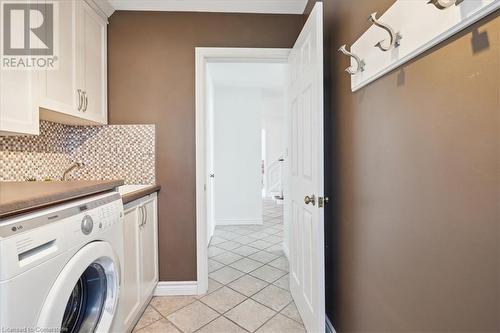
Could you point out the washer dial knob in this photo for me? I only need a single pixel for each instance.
(87, 224)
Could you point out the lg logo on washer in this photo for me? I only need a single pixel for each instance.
(17, 228)
(29, 35)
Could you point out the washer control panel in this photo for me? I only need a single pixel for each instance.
(27, 240)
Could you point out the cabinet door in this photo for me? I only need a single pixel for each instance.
(18, 109)
(149, 248)
(19, 93)
(92, 65)
(59, 92)
(131, 302)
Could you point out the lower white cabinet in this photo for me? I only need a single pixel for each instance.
(140, 275)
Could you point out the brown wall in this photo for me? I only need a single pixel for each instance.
(151, 80)
(413, 168)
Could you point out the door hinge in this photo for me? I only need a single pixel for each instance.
(322, 201)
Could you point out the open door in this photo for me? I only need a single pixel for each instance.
(307, 273)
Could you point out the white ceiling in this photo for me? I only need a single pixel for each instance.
(227, 6)
(268, 76)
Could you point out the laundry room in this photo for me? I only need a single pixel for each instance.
(238, 166)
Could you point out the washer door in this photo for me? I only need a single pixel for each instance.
(84, 296)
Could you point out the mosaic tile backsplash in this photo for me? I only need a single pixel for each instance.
(107, 152)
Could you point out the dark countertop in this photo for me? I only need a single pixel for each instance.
(134, 195)
(21, 197)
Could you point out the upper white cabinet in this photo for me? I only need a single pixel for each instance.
(92, 75)
(58, 88)
(18, 84)
(75, 91)
(18, 103)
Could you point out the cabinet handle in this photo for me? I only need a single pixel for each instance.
(79, 99)
(85, 101)
(142, 216)
(145, 214)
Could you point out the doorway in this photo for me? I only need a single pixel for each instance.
(303, 169)
(245, 140)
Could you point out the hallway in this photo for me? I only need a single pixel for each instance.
(248, 286)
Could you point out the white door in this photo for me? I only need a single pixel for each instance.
(307, 282)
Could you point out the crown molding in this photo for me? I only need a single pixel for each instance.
(226, 6)
(103, 7)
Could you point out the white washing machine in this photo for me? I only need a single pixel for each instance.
(60, 267)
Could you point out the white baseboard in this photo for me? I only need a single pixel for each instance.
(238, 221)
(176, 288)
(286, 250)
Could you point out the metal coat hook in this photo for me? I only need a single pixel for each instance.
(394, 37)
(360, 64)
(442, 4)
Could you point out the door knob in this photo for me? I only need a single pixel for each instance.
(310, 199)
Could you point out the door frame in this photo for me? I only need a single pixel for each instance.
(205, 55)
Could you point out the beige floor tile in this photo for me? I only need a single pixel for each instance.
(280, 263)
(273, 297)
(192, 317)
(260, 235)
(246, 265)
(273, 239)
(250, 315)
(212, 286)
(281, 324)
(223, 299)
(227, 235)
(267, 273)
(255, 228)
(248, 285)
(217, 240)
(292, 312)
(229, 245)
(214, 251)
(214, 265)
(263, 256)
(222, 325)
(243, 231)
(244, 239)
(272, 230)
(168, 304)
(227, 258)
(245, 250)
(160, 326)
(225, 275)
(283, 282)
(276, 249)
(149, 316)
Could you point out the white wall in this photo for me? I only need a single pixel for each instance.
(237, 151)
(273, 124)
